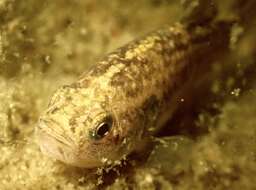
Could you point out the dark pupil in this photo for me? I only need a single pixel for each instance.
(103, 129)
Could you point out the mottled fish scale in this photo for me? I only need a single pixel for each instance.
(128, 95)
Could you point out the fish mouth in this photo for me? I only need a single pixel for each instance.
(52, 141)
(49, 145)
(68, 153)
(69, 156)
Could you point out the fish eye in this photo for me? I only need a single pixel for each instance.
(103, 128)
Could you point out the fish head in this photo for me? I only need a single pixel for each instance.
(83, 129)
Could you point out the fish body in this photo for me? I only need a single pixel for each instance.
(127, 96)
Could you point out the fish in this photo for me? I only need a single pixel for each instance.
(128, 96)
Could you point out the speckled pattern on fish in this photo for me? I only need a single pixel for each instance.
(127, 96)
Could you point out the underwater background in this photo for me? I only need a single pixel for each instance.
(45, 44)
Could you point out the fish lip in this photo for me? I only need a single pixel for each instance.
(52, 148)
(68, 156)
(49, 145)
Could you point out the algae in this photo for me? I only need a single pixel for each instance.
(44, 44)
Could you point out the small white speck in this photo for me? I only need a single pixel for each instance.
(104, 160)
(236, 92)
(83, 31)
(171, 44)
(149, 178)
(47, 59)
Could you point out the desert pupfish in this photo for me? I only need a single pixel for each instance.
(127, 96)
